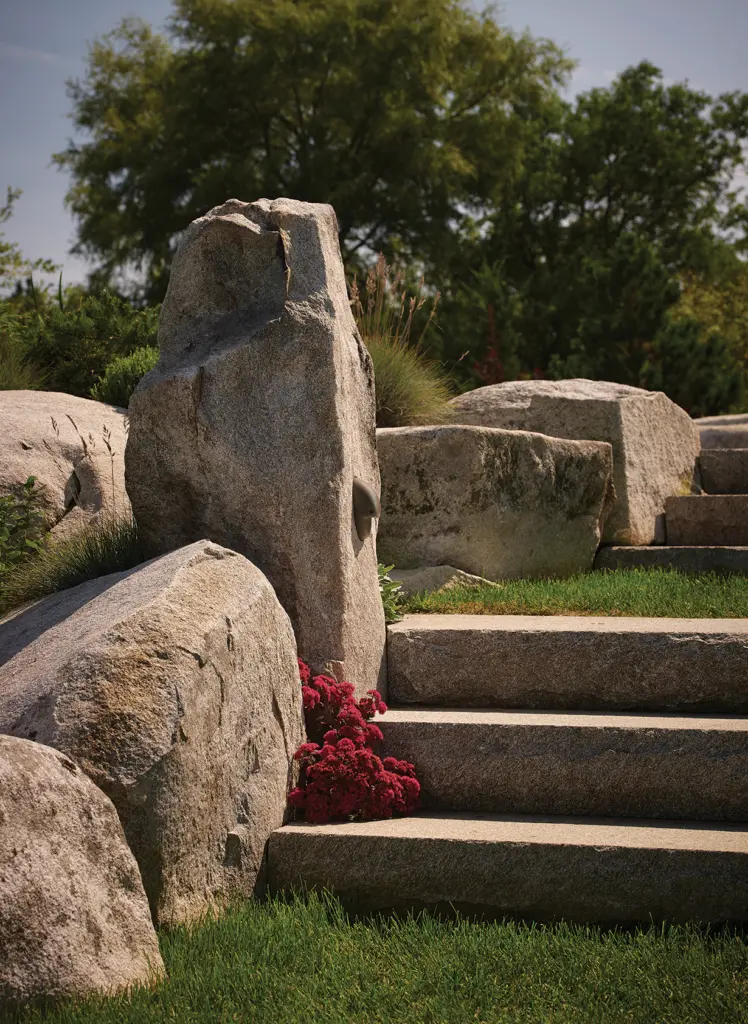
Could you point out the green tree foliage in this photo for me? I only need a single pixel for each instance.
(404, 114)
(574, 270)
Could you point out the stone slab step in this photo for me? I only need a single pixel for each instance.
(694, 559)
(569, 662)
(710, 519)
(724, 470)
(595, 763)
(580, 869)
(731, 434)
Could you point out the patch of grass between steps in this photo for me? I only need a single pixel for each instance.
(304, 960)
(637, 592)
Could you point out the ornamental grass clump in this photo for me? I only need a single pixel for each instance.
(342, 779)
(410, 390)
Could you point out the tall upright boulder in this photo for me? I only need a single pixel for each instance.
(655, 443)
(259, 417)
(175, 688)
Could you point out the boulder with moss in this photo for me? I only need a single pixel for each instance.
(494, 503)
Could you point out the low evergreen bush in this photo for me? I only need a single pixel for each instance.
(122, 375)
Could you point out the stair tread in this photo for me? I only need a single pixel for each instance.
(669, 720)
(567, 623)
(631, 833)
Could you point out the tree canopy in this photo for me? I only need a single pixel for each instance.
(405, 115)
(622, 196)
(598, 237)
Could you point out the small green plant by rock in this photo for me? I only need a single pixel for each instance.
(391, 592)
(22, 526)
(122, 375)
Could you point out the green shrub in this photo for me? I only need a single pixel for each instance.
(122, 375)
(410, 389)
(112, 545)
(391, 594)
(17, 371)
(75, 343)
(22, 526)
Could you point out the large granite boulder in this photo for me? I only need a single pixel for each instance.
(175, 687)
(74, 447)
(495, 503)
(655, 443)
(258, 419)
(73, 915)
(723, 431)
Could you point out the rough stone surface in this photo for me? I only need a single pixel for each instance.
(578, 869)
(724, 470)
(655, 443)
(566, 661)
(433, 577)
(494, 503)
(593, 763)
(724, 437)
(723, 431)
(175, 688)
(74, 918)
(77, 479)
(722, 560)
(712, 519)
(258, 418)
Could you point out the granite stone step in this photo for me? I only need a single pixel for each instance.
(694, 559)
(580, 869)
(603, 764)
(707, 519)
(569, 662)
(724, 470)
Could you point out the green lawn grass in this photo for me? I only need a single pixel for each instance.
(305, 961)
(646, 592)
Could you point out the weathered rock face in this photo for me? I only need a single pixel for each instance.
(62, 441)
(495, 503)
(258, 418)
(175, 688)
(655, 443)
(74, 918)
(723, 431)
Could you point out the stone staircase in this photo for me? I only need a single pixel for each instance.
(705, 532)
(591, 769)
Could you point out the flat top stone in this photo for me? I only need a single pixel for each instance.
(577, 388)
(729, 420)
(567, 624)
(630, 833)
(661, 720)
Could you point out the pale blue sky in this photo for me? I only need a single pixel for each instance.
(43, 43)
